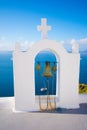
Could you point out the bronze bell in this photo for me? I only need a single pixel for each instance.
(38, 67)
(47, 70)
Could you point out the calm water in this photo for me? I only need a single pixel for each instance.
(6, 72)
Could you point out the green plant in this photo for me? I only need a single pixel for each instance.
(82, 88)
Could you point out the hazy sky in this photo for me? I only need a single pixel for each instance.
(19, 18)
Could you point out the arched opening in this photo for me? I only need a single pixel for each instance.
(46, 74)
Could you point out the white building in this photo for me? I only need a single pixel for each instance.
(67, 80)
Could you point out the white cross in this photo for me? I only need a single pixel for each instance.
(44, 28)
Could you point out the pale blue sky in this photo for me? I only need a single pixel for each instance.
(19, 18)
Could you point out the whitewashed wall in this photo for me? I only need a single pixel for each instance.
(24, 85)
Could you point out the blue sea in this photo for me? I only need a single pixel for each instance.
(6, 73)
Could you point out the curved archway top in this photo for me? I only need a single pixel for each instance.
(48, 44)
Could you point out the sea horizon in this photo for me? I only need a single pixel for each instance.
(6, 72)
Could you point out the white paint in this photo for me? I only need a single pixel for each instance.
(68, 76)
(8, 102)
(83, 98)
(44, 28)
(24, 76)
